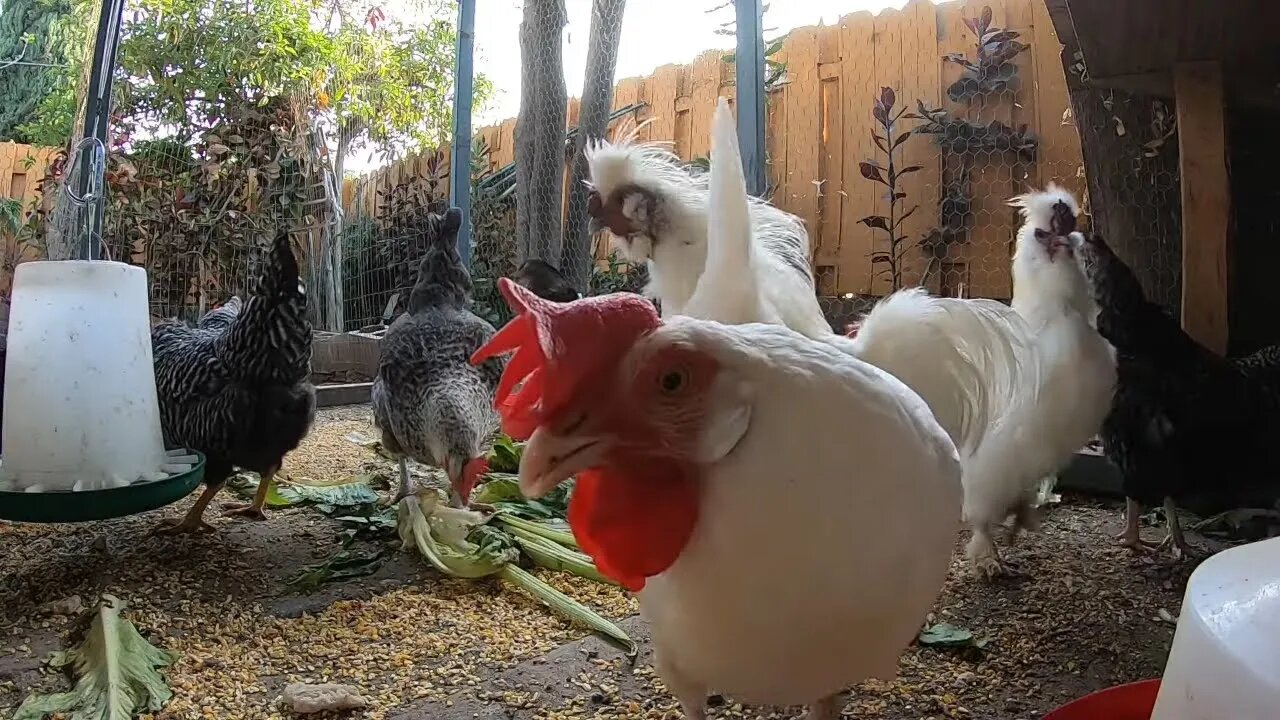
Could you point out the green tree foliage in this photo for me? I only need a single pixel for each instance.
(374, 79)
(37, 94)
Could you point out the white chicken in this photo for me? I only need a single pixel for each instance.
(687, 437)
(1068, 380)
(657, 210)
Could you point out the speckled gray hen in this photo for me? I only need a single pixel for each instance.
(429, 402)
(236, 387)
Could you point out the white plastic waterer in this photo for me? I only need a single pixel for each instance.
(1225, 660)
(80, 406)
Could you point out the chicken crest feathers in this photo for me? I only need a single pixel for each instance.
(653, 167)
(1048, 209)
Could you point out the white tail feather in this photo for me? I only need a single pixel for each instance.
(728, 290)
(965, 358)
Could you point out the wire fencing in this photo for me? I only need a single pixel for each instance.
(898, 138)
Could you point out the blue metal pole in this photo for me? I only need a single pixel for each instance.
(751, 95)
(464, 87)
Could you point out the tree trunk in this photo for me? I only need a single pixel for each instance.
(62, 234)
(593, 123)
(540, 129)
(1134, 201)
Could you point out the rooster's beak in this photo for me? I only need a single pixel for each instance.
(549, 459)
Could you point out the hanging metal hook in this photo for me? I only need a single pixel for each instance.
(97, 172)
(93, 188)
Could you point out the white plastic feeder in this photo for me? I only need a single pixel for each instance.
(1225, 659)
(80, 406)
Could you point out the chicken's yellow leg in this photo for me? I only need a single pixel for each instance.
(253, 510)
(193, 521)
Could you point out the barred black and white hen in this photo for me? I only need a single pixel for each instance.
(429, 402)
(1187, 427)
(236, 387)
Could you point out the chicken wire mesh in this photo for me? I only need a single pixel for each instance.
(898, 138)
(231, 122)
(528, 199)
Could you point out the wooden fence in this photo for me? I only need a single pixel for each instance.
(22, 167)
(819, 129)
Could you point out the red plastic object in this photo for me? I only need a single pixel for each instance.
(1132, 701)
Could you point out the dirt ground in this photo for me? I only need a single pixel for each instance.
(1084, 615)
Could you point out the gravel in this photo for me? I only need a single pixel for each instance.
(1082, 616)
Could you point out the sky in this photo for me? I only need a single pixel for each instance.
(654, 33)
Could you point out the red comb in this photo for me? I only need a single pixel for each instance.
(557, 346)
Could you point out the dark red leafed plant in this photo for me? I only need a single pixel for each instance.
(889, 139)
(993, 70)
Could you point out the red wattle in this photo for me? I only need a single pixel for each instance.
(636, 517)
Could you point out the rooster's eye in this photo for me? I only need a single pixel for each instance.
(673, 381)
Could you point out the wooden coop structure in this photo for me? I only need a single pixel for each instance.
(1217, 63)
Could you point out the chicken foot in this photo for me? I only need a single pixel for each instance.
(193, 521)
(1131, 537)
(982, 553)
(1174, 538)
(253, 510)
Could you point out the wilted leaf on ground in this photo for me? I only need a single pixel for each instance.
(327, 498)
(116, 669)
(342, 565)
(949, 636)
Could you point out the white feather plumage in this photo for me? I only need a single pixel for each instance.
(992, 375)
(882, 502)
(677, 258)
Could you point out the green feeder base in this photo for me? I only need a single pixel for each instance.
(90, 505)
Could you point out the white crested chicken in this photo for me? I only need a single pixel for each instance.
(428, 402)
(687, 436)
(657, 211)
(1067, 381)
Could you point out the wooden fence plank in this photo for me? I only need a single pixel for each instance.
(890, 29)
(666, 86)
(704, 92)
(858, 90)
(802, 98)
(921, 79)
(1059, 156)
(826, 240)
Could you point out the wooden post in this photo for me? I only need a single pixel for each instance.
(1206, 202)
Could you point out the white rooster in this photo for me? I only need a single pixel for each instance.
(687, 437)
(1068, 379)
